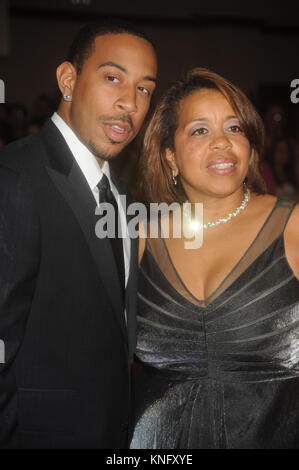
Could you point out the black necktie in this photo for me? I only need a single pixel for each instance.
(106, 195)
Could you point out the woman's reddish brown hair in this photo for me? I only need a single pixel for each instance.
(156, 182)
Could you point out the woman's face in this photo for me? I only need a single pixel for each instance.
(211, 150)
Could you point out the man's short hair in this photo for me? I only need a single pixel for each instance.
(82, 45)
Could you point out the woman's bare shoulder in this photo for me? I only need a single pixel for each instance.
(291, 237)
(264, 203)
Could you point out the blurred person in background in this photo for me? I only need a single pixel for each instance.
(18, 118)
(268, 177)
(43, 108)
(275, 123)
(283, 164)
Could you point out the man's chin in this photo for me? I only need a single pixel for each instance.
(106, 155)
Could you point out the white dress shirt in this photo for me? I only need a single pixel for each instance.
(93, 174)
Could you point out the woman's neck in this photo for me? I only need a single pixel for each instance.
(215, 207)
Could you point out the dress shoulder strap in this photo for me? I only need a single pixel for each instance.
(274, 227)
(279, 217)
(285, 207)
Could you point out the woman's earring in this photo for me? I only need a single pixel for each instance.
(174, 178)
(67, 97)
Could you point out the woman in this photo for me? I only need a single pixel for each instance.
(217, 325)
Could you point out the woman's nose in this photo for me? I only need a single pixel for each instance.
(220, 142)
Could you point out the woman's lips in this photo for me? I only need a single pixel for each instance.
(117, 132)
(222, 167)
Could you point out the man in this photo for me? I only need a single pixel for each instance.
(67, 297)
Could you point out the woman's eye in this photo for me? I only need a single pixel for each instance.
(200, 131)
(235, 129)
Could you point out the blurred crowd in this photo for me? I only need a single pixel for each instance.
(17, 121)
(281, 161)
(280, 166)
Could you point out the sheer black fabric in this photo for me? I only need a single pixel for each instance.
(222, 372)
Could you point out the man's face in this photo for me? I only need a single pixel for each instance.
(112, 94)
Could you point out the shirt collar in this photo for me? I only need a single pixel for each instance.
(85, 159)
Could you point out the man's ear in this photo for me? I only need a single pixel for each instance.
(171, 161)
(66, 78)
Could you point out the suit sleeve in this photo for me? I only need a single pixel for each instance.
(19, 261)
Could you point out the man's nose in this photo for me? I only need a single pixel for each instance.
(127, 101)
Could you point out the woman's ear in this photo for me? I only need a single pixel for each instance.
(171, 161)
(66, 77)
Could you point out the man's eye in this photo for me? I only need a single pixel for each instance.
(144, 90)
(199, 131)
(112, 78)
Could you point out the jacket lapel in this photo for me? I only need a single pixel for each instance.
(71, 183)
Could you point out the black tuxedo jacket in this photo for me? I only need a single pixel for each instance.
(65, 382)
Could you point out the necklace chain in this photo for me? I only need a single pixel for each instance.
(230, 215)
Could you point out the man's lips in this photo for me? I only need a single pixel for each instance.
(117, 131)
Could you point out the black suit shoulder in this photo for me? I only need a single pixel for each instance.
(23, 155)
(17, 163)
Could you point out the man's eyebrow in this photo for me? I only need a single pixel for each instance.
(151, 79)
(112, 64)
(123, 69)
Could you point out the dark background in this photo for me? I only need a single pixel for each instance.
(253, 43)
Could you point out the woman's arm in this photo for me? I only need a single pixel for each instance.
(142, 241)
